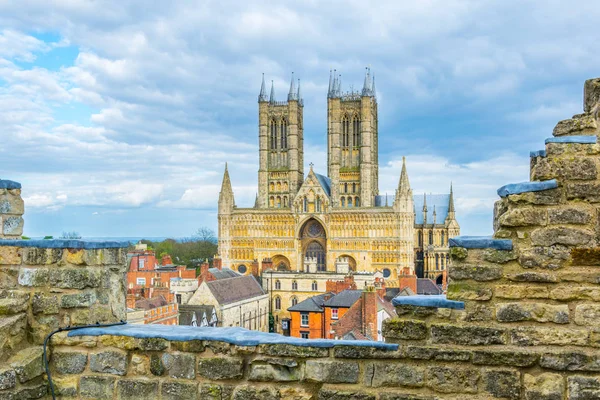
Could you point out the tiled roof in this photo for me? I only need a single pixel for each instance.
(186, 313)
(312, 304)
(325, 183)
(230, 290)
(427, 286)
(154, 302)
(344, 299)
(223, 273)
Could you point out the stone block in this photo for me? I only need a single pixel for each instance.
(137, 389)
(462, 291)
(551, 257)
(405, 329)
(499, 256)
(571, 215)
(8, 378)
(586, 257)
(9, 277)
(153, 344)
(85, 299)
(263, 371)
(10, 255)
(39, 256)
(190, 346)
(538, 312)
(332, 371)
(120, 342)
(179, 365)
(157, 367)
(32, 391)
(544, 198)
(570, 361)
(246, 392)
(562, 235)
(477, 312)
(578, 125)
(178, 390)
(42, 303)
(11, 306)
(69, 362)
(591, 95)
(33, 276)
(215, 392)
(467, 335)
(404, 396)
(219, 368)
(110, 362)
(435, 353)
(543, 387)
(536, 336)
(28, 363)
(569, 293)
(12, 332)
(565, 169)
(523, 217)
(515, 292)
(74, 256)
(365, 352)
(75, 278)
(533, 277)
(476, 272)
(587, 315)
(583, 387)
(458, 253)
(506, 358)
(452, 380)
(385, 374)
(504, 384)
(11, 203)
(286, 350)
(97, 387)
(589, 191)
(338, 394)
(66, 386)
(12, 225)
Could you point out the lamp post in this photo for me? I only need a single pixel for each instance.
(271, 318)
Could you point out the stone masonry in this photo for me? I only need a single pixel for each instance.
(11, 210)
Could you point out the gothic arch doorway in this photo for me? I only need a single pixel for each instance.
(313, 240)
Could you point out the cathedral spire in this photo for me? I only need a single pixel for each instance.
(373, 90)
(272, 98)
(330, 90)
(451, 200)
(256, 201)
(226, 199)
(367, 91)
(292, 95)
(424, 208)
(263, 92)
(403, 183)
(338, 89)
(299, 95)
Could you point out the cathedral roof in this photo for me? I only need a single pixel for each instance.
(325, 183)
(439, 202)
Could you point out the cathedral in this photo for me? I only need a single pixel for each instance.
(337, 222)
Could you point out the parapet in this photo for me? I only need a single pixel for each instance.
(11, 210)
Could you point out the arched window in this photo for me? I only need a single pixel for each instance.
(345, 132)
(443, 238)
(294, 300)
(318, 204)
(283, 141)
(285, 204)
(356, 202)
(277, 303)
(343, 202)
(315, 250)
(437, 262)
(278, 201)
(305, 204)
(345, 188)
(354, 188)
(277, 284)
(271, 201)
(349, 201)
(420, 235)
(273, 135)
(272, 186)
(294, 285)
(356, 132)
(314, 286)
(431, 237)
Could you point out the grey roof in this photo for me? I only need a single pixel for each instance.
(223, 273)
(325, 183)
(390, 293)
(186, 313)
(344, 299)
(427, 286)
(230, 290)
(439, 201)
(312, 304)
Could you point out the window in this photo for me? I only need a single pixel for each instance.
(304, 319)
(430, 237)
(437, 261)
(356, 132)
(305, 203)
(304, 335)
(386, 272)
(349, 201)
(283, 141)
(343, 202)
(345, 188)
(443, 238)
(273, 135)
(314, 286)
(294, 285)
(242, 269)
(334, 313)
(277, 303)
(356, 202)
(420, 238)
(278, 201)
(285, 204)
(294, 300)
(141, 281)
(277, 284)
(318, 204)
(345, 132)
(142, 263)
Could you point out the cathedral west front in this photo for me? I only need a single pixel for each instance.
(318, 223)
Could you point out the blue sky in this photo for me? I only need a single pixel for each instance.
(118, 119)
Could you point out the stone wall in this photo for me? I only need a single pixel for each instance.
(11, 210)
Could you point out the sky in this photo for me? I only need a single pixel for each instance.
(117, 117)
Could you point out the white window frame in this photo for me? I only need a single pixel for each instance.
(140, 281)
(302, 315)
(334, 313)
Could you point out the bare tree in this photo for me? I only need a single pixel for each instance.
(205, 234)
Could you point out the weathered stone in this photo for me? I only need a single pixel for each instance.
(285, 350)
(578, 125)
(12, 225)
(178, 390)
(32, 391)
(13, 305)
(585, 257)
(543, 387)
(218, 368)
(120, 342)
(332, 371)
(452, 380)
(462, 291)
(246, 392)
(180, 365)
(545, 197)
(569, 216)
(110, 362)
(523, 217)
(508, 358)
(571, 169)
(384, 374)
(405, 329)
(39, 256)
(267, 372)
(69, 362)
(521, 292)
(499, 256)
(33, 276)
(157, 367)
(552, 257)
(591, 95)
(191, 346)
(97, 387)
(8, 378)
(534, 277)
(587, 314)
(503, 384)
(74, 256)
(415, 311)
(475, 272)
(334, 394)
(583, 387)
(570, 361)
(66, 386)
(536, 336)
(366, 352)
(28, 363)
(435, 353)
(85, 299)
(153, 344)
(44, 303)
(136, 389)
(404, 396)
(75, 278)
(458, 253)
(477, 313)
(586, 191)
(212, 392)
(466, 335)
(568, 293)
(539, 312)
(562, 235)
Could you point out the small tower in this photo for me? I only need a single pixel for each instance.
(403, 202)
(424, 209)
(451, 222)
(226, 198)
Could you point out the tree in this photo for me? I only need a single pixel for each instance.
(70, 235)
(205, 234)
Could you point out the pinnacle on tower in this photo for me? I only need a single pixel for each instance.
(330, 90)
(299, 94)
(373, 91)
(451, 200)
(226, 198)
(272, 98)
(434, 214)
(263, 92)
(338, 89)
(403, 183)
(424, 202)
(367, 91)
(292, 95)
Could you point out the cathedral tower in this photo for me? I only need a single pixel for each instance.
(352, 154)
(281, 147)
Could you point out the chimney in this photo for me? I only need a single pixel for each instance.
(217, 263)
(130, 301)
(380, 287)
(369, 313)
(166, 260)
(445, 280)
(407, 280)
(266, 264)
(254, 269)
